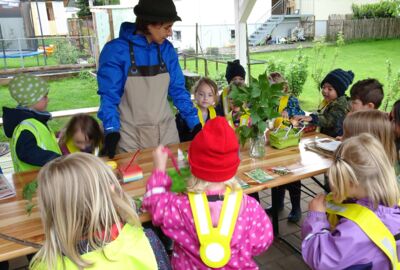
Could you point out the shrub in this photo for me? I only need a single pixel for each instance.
(65, 52)
(384, 9)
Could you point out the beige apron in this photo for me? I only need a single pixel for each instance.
(145, 114)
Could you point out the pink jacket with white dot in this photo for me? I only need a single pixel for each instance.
(252, 235)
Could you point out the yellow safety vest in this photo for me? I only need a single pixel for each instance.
(130, 250)
(369, 223)
(45, 139)
(282, 105)
(244, 119)
(211, 111)
(215, 250)
(225, 100)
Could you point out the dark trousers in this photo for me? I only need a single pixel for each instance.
(294, 192)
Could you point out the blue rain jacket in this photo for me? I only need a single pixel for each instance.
(114, 64)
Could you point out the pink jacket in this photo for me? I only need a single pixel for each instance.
(252, 235)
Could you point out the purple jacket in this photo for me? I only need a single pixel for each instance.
(347, 246)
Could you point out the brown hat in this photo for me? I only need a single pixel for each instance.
(156, 11)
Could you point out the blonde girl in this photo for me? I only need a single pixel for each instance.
(365, 196)
(213, 200)
(205, 98)
(88, 220)
(377, 124)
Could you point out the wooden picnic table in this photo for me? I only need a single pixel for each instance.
(16, 223)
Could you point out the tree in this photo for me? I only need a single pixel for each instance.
(84, 9)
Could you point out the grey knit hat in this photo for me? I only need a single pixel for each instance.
(27, 89)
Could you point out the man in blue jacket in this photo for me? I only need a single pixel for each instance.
(137, 72)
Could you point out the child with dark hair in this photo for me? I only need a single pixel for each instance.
(235, 73)
(33, 143)
(82, 134)
(366, 94)
(334, 107)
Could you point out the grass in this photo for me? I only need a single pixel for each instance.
(31, 61)
(366, 59)
(71, 93)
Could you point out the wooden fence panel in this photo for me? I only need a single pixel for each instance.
(379, 28)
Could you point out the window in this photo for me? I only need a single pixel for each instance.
(177, 35)
(232, 33)
(50, 11)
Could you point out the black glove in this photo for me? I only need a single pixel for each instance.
(110, 144)
(196, 129)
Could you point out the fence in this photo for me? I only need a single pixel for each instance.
(378, 28)
(48, 51)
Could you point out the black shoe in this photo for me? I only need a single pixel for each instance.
(269, 210)
(294, 215)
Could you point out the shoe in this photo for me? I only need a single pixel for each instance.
(268, 210)
(294, 215)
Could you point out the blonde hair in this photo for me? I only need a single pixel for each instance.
(361, 161)
(79, 198)
(377, 124)
(197, 185)
(210, 83)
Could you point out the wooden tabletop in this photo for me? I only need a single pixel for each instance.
(15, 222)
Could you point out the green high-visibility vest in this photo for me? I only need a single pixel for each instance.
(45, 139)
(130, 250)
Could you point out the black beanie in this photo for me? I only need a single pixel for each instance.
(234, 69)
(156, 11)
(339, 79)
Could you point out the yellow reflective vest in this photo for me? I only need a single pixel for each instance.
(45, 139)
(130, 250)
(369, 223)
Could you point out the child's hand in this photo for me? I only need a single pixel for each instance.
(302, 118)
(318, 204)
(160, 158)
(285, 114)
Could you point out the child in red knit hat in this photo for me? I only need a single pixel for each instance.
(214, 224)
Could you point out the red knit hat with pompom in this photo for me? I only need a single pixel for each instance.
(214, 152)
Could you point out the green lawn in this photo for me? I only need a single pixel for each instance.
(366, 59)
(31, 61)
(71, 93)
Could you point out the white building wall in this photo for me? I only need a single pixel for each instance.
(323, 8)
(43, 17)
(60, 17)
(215, 19)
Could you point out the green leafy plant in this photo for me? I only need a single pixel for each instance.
(319, 57)
(393, 85)
(383, 9)
(296, 73)
(262, 98)
(65, 52)
(28, 192)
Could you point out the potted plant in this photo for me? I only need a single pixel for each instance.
(261, 99)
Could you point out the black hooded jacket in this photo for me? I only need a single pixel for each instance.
(27, 148)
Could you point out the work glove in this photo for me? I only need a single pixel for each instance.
(110, 144)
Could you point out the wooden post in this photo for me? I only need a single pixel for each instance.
(184, 61)
(197, 49)
(205, 67)
(111, 23)
(216, 66)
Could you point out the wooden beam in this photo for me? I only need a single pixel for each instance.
(13, 71)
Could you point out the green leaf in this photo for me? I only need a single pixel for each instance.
(28, 192)
(261, 127)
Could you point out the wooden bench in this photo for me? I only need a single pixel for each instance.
(66, 113)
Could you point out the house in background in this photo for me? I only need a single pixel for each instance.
(321, 9)
(53, 17)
